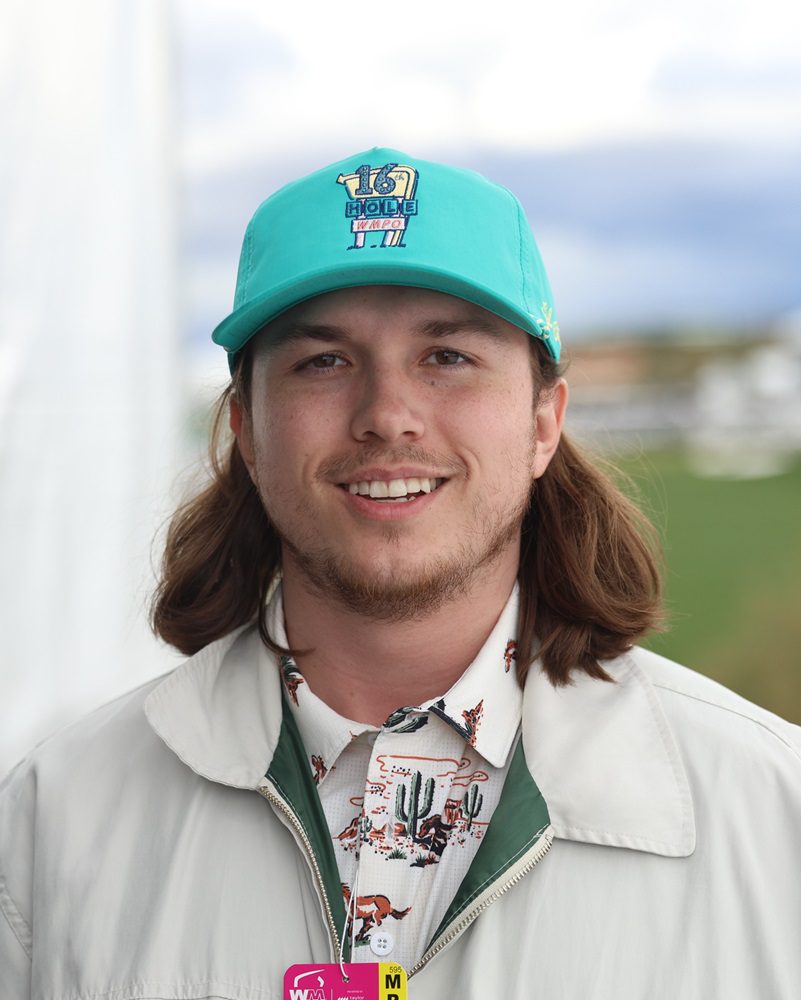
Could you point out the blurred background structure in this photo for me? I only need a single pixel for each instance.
(657, 150)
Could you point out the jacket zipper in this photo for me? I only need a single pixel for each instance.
(541, 848)
(272, 796)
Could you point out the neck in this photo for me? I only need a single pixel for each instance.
(365, 669)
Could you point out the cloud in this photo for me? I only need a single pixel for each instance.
(690, 75)
(269, 80)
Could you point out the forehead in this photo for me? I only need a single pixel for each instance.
(388, 308)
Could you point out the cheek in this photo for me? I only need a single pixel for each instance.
(496, 440)
(291, 437)
(505, 417)
(514, 438)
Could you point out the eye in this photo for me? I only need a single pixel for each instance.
(321, 363)
(445, 358)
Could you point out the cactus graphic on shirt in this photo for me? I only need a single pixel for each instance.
(471, 804)
(415, 811)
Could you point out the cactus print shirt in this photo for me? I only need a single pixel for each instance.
(408, 803)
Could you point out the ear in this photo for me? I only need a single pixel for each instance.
(549, 419)
(240, 425)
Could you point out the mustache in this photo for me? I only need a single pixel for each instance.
(342, 466)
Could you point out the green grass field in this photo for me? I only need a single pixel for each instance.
(733, 555)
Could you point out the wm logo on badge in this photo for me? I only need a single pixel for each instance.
(308, 992)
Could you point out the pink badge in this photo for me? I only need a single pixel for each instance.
(366, 981)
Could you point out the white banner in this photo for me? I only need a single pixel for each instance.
(88, 405)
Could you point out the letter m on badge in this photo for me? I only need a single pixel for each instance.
(392, 982)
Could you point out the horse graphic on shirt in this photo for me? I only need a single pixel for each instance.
(371, 910)
(320, 770)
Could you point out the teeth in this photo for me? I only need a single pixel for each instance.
(394, 489)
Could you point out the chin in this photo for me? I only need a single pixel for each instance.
(384, 574)
(387, 588)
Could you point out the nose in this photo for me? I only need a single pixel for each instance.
(386, 408)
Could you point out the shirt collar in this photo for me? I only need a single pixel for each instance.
(483, 706)
(324, 732)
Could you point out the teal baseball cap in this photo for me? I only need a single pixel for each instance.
(383, 217)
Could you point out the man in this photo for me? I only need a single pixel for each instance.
(413, 733)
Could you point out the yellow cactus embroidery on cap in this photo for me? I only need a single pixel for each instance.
(548, 327)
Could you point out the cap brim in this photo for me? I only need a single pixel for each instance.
(242, 324)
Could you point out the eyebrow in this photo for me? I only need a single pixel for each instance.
(446, 328)
(436, 329)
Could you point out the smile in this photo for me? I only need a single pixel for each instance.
(398, 490)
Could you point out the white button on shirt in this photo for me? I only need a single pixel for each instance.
(408, 804)
(381, 943)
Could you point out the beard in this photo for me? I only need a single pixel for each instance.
(392, 591)
(392, 594)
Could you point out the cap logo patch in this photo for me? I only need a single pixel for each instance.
(380, 202)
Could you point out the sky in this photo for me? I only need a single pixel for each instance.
(656, 147)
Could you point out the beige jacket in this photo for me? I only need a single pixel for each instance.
(650, 848)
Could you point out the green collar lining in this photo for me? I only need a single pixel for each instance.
(517, 823)
(290, 774)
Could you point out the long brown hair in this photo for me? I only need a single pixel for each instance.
(589, 570)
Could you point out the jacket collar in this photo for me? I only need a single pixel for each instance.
(221, 710)
(602, 754)
(605, 758)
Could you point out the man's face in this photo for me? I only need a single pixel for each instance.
(394, 440)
